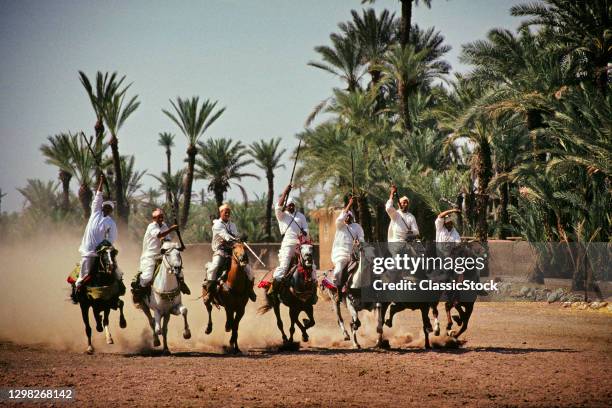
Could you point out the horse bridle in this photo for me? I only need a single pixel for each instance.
(167, 264)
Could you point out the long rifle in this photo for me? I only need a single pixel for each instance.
(352, 174)
(95, 158)
(178, 231)
(384, 162)
(297, 154)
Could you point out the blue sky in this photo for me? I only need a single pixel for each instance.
(249, 55)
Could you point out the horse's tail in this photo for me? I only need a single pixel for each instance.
(264, 309)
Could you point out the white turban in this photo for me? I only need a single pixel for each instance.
(290, 200)
(109, 203)
(404, 198)
(224, 207)
(157, 212)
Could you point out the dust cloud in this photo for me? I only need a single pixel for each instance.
(35, 305)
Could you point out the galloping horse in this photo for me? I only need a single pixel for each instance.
(165, 296)
(353, 278)
(233, 295)
(298, 292)
(101, 292)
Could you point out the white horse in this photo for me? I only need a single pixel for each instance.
(165, 296)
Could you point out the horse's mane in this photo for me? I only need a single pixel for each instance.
(169, 245)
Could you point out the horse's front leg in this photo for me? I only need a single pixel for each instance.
(426, 325)
(434, 310)
(465, 318)
(355, 323)
(293, 317)
(186, 332)
(234, 339)
(158, 323)
(449, 321)
(85, 315)
(151, 320)
(229, 320)
(122, 321)
(381, 310)
(279, 321)
(301, 326)
(209, 326)
(338, 311)
(107, 333)
(166, 319)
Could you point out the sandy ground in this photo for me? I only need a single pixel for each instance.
(516, 354)
(522, 354)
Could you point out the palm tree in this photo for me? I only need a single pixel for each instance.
(222, 162)
(406, 19)
(106, 86)
(580, 28)
(343, 59)
(57, 153)
(115, 115)
(166, 140)
(41, 196)
(193, 120)
(2, 195)
(410, 70)
(267, 157)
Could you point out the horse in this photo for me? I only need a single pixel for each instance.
(350, 294)
(233, 295)
(297, 291)
(165, 295)
(101, 292)
(422, 303)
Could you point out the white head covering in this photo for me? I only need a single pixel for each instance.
(109, 203)
(224, 206)
(404, 198)
(290, 200)
(157, 212)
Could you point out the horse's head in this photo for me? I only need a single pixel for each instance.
(240, 254)
(171, 253)
(106, 253)
(306, 255)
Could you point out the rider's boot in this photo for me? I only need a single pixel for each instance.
(338, 290)
(252, 294)
(273, 291)
(183, 286)
(138, 292)
(211, 288)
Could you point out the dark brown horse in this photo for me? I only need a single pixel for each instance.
(298, 291)
(233, 295)
(101, 293)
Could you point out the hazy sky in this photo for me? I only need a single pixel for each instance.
(249, 55)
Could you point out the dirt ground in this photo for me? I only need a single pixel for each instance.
(516, 354)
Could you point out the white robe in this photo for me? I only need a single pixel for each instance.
(98, 228)
(289, 225)
(344, 238)
(400, 223)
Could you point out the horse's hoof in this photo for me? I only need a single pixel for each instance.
(187, 334)
(427, 346)
(110, 341)
(228, 328)
(99, 328)
(357, 346)
(90, 350)
(308, 323)
(346, 337)
(208, 329)
(457, 320)
(286, 340)
(304, 337)
(166, 352)
(389, 323)
(383, 344)
(156, 342)
(122, 323)
(437, 331)
(356, 324)
(237, 350)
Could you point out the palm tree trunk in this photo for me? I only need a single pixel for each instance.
(405, 111)
(85, 197)
(191, 157)
(65, 177)
(169, 172)
(504, 216)
(122, 210)
(601, 78)
(405, 22)
(269, 202)
(365, 217)
(484, 172)
(219, 196)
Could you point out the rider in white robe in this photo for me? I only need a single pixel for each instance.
(100, 227)
(403, 225)
(224, 233)
(156, 234)
(348, 234)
